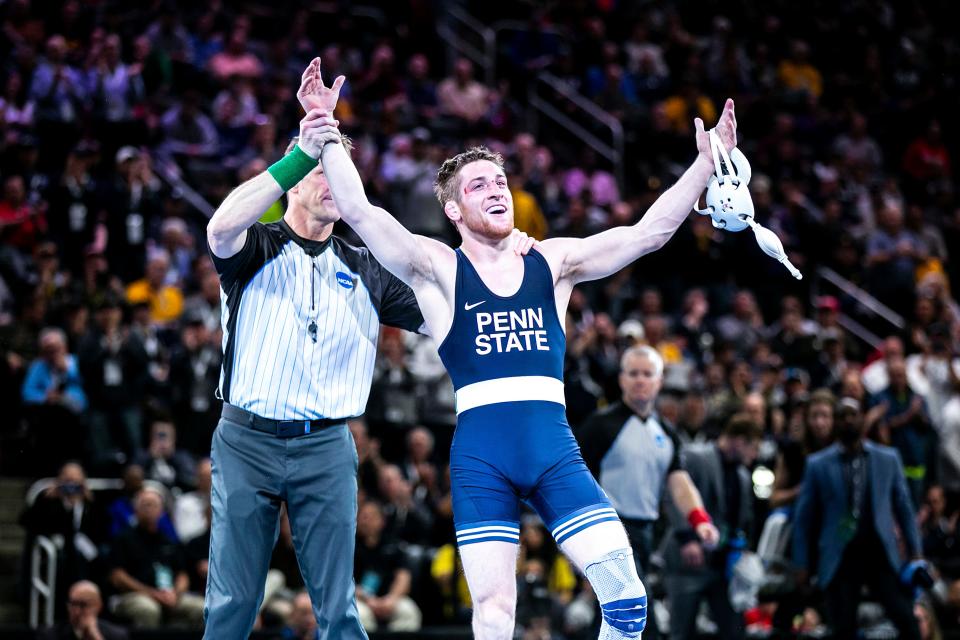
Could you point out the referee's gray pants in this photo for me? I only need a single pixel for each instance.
(316, 474)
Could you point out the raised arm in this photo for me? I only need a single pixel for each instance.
(227, 229)
(407, 256)
(606, 253)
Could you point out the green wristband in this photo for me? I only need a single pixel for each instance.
(292, 168)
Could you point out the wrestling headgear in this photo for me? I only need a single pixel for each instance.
(730, 206)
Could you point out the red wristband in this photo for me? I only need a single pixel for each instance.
(698, 517)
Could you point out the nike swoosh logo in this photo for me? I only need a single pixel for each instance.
(467, 306)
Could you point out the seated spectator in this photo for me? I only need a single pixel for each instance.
(368, 452)
(407, 519)
(67, 514)
(83, 617)
(148, 570)
(382, 579)
(54, 398)
(938, 531)
(190, 510)
(302, 623)
(461, 96)
(162, 461)
(166, 301)
(418, 466)
(121, 512)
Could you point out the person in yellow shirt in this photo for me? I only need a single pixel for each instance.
(527, 215)
(796, 73)
(688, 103)
(166, 302)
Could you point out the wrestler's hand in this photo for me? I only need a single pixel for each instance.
(313, 94)
(726, 129)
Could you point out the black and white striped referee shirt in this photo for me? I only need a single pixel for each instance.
(300, 323)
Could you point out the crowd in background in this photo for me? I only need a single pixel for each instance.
(116, 120)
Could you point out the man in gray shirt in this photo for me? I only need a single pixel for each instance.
(633, 453)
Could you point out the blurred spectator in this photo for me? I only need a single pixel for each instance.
(743, 325)
(53, 398)
(162, 461)
(235, 59)
(421, 90)
(381, 576)
(368, 453)
(21, 222)
(393, 395)
(74, 207)
(130, 203)
(798, 76)
(66, 514)
(461, 96)
(205, 303)
(926, 161)
(113, 362)
(189, 132)
(191, 509)
(57, 87)
(84, 605)
(418, 466)
(938, 530)
(817, 434)
(16, 110)
(194, 375)
(892, 256)
(116, 89)
(900, 417)
(721, 474)
(166, 301)
(149, 571)
(858, 490)
(122, 514)
(302, 624)
(407, 519)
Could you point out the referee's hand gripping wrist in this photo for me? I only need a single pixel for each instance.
(317, 129)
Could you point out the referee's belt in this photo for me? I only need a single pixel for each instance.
(278, 428)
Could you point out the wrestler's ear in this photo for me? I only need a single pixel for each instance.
(452, 210)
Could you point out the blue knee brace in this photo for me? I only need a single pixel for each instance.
(623, 600)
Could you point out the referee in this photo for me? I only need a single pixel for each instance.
(301, 315)
(633, 453)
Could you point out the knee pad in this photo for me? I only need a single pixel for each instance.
(623, 600)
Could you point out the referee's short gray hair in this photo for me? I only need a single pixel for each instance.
(643, 351)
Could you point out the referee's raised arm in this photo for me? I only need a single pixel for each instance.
(227, 229)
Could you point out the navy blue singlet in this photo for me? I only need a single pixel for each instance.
(505, 357)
